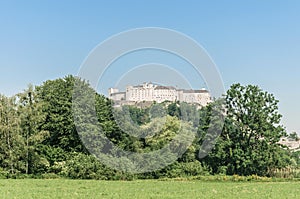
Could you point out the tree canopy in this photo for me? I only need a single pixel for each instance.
(39, 136)
(252, 129)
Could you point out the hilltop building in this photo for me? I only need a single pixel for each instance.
(148, 92)
(292, 144)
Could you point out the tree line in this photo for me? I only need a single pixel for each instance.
(38, 136)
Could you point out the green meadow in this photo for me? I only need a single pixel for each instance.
(63, 188)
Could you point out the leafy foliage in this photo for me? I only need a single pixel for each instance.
(38, 135)
(248, 143)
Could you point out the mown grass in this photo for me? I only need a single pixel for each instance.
(63, 188)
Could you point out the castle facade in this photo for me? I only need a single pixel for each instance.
(149, 92)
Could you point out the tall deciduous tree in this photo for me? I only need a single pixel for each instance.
(11, 142)
(31, 118)
(248, 143)
(57, 98)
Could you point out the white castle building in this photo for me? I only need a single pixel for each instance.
(151, 92)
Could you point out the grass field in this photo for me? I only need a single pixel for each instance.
(61, 188)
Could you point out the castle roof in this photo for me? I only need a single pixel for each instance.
(195, 91)
(165, 87)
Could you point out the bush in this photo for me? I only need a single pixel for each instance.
(81, 166)
(3, 173)
(50, 176)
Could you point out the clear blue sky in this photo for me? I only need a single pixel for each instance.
(252, 42)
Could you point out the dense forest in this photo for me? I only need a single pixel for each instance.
(38, 135)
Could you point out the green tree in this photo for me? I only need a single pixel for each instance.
(174, 110)
(31, 119)
(56, 96)
(248, 143)
(11, 142)
(294, 136)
